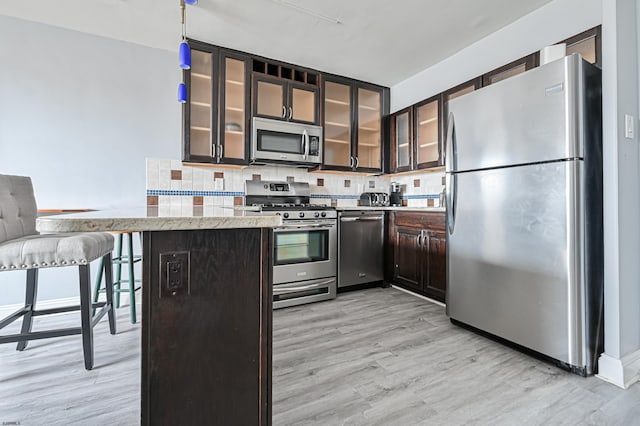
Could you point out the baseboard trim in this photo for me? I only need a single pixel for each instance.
(621, 372)
(419, 296)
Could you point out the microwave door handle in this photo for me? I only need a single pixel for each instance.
(305, 144)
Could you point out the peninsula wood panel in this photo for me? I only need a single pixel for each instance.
(206, 351)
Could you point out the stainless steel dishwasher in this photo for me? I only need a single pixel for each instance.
(360, 247)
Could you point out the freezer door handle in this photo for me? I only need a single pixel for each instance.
(450, 149)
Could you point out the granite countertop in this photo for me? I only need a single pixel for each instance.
(155, 219)
(395, 208)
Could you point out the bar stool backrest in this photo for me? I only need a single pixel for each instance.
(18, 208)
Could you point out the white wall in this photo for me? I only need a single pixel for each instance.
(79, 114)
(550, 24)
(620, 364)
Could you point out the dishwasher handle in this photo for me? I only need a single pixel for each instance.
(362, 218)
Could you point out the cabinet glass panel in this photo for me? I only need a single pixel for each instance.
(369, 128)
(585, 47)
(200, 103)
(402, 140)
(270, 96)
(468, 89)
(337, 124)
(518, 69)
(303, 104)
(234, 104)
(427, 140)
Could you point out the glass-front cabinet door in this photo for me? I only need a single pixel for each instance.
(303, 103)
(235, 132)
(337, 124)
(270, 98)
(369, 148)
(401, 140)
(427, 133)
(199, 121)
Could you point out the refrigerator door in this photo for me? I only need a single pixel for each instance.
(532, 117)
(514, 256)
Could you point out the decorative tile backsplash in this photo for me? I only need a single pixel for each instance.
(169, 183)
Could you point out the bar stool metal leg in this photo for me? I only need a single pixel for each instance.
(132, 280)
(118, 261)
(85, 316)
(29, 302)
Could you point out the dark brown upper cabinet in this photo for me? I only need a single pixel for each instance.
(285, 93)
(218, 86)
(353, 114)
(416, 136)
(509, 70)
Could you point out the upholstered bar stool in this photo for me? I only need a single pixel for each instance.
(22, 248)
(119, 259)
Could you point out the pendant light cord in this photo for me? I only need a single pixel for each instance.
(183, 20)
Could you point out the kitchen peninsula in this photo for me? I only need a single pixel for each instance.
(206, 321)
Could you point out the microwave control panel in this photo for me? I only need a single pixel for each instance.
(314, 145)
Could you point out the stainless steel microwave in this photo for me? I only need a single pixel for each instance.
(275, 141)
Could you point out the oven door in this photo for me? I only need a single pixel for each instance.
(304, 251)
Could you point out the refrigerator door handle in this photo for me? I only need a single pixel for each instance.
(451, 181)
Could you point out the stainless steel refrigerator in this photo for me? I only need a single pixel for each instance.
(524, 212)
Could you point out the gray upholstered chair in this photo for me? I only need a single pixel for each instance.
(22, 248)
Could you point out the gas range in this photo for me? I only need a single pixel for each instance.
(304, 256)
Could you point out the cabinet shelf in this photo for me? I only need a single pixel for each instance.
(369, 129)
(230, 108)
(333, 123)
(337, 141)
(369, 145)
(202, 129)
(336, 102)
(428, 144)
(201, 104)
(370, 108)
(234, 132)
(200, 75)
(402, 145)
(236, 82)
(428, 120)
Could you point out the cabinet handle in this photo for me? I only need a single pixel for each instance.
(290, 113)
(221, 149)
(213, 151)
(418, 240)
(284, 111)
(357, 162)
(350, 161)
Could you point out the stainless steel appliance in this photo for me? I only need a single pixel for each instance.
(395, 196)
(360, 248)
(275, 141)
(374, 199)
(524, 205)
(304, 257)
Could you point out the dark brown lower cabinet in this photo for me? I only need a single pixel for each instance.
(417, 245)
(206, 327)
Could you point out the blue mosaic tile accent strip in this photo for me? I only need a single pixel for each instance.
(421, 197)
(190, 193)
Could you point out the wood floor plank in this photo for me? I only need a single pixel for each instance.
(370, 357)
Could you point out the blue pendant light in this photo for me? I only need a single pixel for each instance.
(191, 2)
(182, 93)
(184, 56)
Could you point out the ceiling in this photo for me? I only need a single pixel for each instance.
(380, 41)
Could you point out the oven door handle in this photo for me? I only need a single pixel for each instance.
(277, 290)
(303, 227)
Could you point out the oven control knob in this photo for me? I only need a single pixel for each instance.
(301, 214)
(323, 214)
(286, 215)
(278, 214)
(316, 214)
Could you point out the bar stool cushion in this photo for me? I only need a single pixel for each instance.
(54, 250)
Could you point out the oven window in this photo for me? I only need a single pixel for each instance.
(301, 247)
(279, 142)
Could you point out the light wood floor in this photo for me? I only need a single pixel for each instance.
(376, 356)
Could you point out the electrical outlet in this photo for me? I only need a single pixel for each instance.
(629, 126)
(174, 274)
